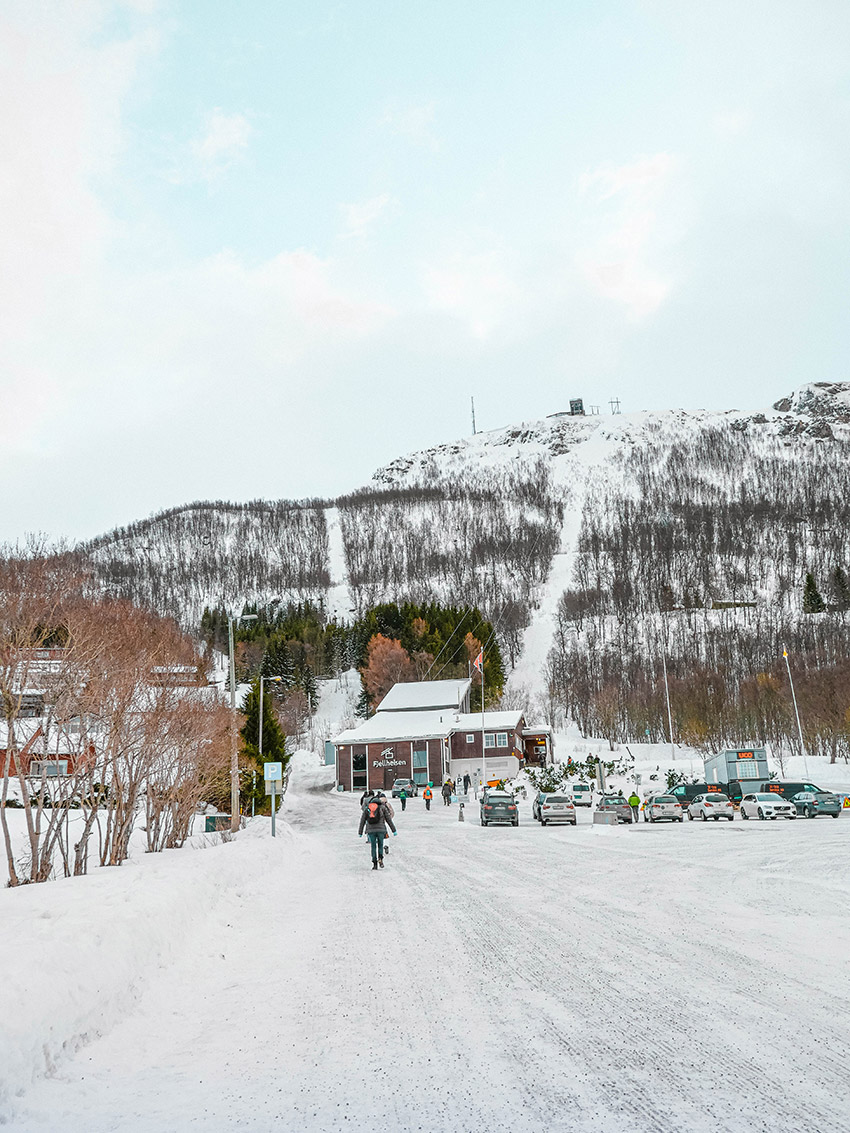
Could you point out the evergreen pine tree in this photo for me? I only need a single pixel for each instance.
(274, 745)
(363, 709)
(812, 601)
(840, 589)
(277, 662)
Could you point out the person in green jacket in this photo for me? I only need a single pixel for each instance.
(403, 796)
(634, 803)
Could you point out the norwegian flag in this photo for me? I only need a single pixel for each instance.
(479, 662)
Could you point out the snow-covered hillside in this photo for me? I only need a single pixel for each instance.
(498, 519)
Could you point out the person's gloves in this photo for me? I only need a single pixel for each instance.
(395, 834)
(359, 835)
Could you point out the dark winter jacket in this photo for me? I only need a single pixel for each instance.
(447, 790)
(379, 827)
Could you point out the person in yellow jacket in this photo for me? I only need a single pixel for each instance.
(634, 803)
(427, 795)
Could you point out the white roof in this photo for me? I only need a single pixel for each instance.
(436, 724)
(471, 721)
(419, 695)
(388, 726)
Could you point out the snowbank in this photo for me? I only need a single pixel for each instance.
(78, 952)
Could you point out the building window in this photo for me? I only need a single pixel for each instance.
(420, 762)
(747, 769)
(358, 771)
(470, 737)
(489, 739)
(501, 739)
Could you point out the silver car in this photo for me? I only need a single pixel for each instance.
(767, 806)
(615, 804)
(713, 805)
(557, 808)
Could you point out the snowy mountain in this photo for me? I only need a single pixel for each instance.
(633, 512)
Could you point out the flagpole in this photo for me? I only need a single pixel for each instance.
(796, 711)
(483, 737)
(669, 713)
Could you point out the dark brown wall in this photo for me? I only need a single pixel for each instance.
(382, 778)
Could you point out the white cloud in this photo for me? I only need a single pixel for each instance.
(473, 287)
(623, 229)
(359, 217)
(223, 142)
(414, 122)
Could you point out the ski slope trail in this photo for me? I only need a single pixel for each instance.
(648, 978)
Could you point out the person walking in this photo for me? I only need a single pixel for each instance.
(427, 795)
(447, 792)
(634, 803)
(403, 796)
(375, 819)
(466, 782)
(367, 794)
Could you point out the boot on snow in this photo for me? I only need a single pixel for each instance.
(381, 862)
(374, 865)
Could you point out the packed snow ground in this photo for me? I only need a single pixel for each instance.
(668, 977)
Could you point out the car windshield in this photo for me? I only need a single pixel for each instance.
(665, 799)
(556, 799)
(494, 798)
(581, 787)
(616, 801)
(714, 798)
(769, 798)
(824, 795)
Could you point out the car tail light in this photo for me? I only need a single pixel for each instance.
(708, 804)
(546, 806)
(488, 808)
(514, 808)
(679, 805)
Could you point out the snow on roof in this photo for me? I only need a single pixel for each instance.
(471, 721)
(418, 695)
(388, 726)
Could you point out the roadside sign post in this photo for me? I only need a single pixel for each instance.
(273, 774)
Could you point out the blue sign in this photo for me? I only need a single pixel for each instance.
(273, 772)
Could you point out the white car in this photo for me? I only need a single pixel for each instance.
(767, 806)
(713, 805)
(658, 807)
(582, 794)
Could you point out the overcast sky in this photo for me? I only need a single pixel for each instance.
(259, 249)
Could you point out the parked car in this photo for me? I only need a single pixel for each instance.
(657, 808)
(813, 803)
(615, 804)
(406, 785)
(499, 806)
(714, 806)
(556, 808)
(687, 792)
(764, 805)
(786, 790)
(582, 794)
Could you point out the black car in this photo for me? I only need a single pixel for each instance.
(499, 806)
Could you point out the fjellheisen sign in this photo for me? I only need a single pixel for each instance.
(388, 759)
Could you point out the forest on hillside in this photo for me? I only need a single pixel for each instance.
(699, 557)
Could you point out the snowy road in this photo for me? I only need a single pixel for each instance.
(651, 978)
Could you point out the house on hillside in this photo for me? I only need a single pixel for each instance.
(424, 731)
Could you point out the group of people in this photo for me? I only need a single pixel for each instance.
(376, 814)
(452, 787)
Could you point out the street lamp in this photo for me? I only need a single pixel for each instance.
(234, 757)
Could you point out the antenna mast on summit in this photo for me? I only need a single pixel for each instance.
(472, 400)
